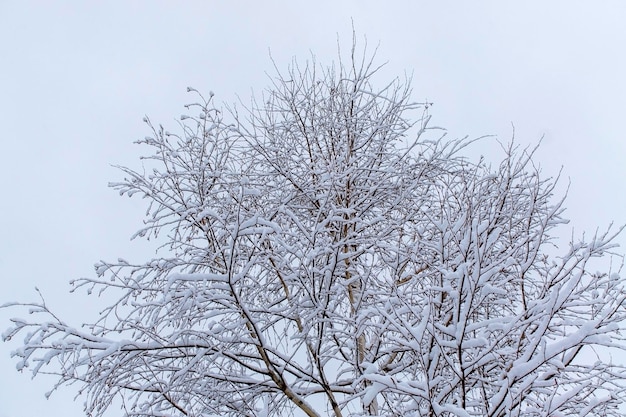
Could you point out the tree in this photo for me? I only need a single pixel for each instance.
(323, 253)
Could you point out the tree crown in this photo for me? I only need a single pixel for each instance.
(325, 253)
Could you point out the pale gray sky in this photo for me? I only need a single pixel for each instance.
(77, 77)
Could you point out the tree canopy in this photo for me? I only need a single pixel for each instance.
(324, 252)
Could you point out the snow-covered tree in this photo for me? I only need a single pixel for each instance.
(324, 252)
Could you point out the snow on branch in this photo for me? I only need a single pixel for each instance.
(324, 252)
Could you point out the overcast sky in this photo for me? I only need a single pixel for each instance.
(76, 78)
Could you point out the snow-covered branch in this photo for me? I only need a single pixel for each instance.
(323, 252)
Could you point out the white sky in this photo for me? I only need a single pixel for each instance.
(76, 78)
